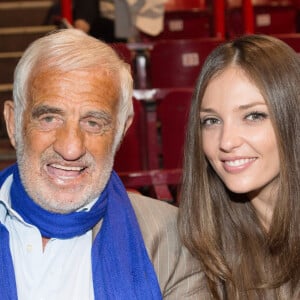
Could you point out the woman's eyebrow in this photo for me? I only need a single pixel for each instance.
(240, 107)
(208, 110)
(250, 105)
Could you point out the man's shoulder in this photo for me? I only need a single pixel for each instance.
(138, 199)
(157, 221)
(147, 208)
(178, 273)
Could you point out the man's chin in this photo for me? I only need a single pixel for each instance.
(62, 205)
(62, 200)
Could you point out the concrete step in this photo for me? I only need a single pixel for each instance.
(21, 22)
(54, 1)
(7, 153)
(8, 62)
(18, 38)
(5, 94)
(25, 13)
(5, 160)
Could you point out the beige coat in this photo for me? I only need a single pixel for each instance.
(178, 272)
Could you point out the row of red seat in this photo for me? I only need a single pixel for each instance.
(153, 146)
(152, 150)
(198, 20)
(162, 104)
(174, 66)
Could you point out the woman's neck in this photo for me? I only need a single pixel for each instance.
(264, 202)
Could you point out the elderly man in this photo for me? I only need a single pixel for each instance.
(68, 228)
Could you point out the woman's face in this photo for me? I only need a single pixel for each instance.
(237, 134)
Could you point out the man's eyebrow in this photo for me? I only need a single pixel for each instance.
(45, 109)
(98, 114)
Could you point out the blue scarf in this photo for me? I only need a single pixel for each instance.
(120, 264)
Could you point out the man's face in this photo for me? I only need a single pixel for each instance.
(69, 126)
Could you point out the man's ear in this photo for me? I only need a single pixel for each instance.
(9, 116)
(127, 124)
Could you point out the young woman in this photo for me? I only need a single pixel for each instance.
(240, 206)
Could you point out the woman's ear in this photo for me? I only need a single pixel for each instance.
(9, 116)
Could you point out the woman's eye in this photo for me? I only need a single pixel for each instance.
(209, 121)
(256, 116)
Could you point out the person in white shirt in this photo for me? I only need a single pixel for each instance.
(119, 20)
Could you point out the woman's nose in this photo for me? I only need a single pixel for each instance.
(230, 137)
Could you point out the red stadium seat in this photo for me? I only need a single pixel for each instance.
(184, 19)
(162, 184)
(167, 112)
(166, 126)
(132, 155)
(177, 63)
(150, 157)
(293, 40)
(137, 161)
(268, 19)
(181, 5)
(172, 115)
(123, 51)
(185, 24)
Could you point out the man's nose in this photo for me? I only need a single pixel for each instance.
(70, 142)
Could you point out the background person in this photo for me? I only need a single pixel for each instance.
(240, 200)
(68, 228)
(119, 20)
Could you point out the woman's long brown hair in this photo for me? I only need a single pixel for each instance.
(240, 259)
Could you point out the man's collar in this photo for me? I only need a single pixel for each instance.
(5, 206)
